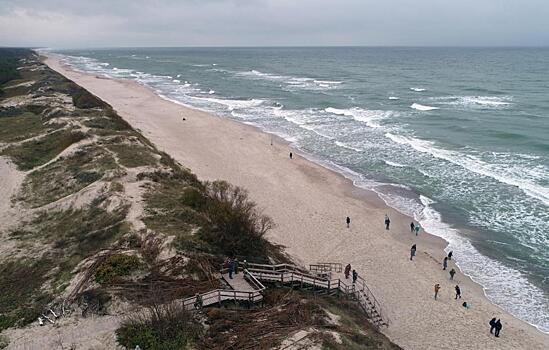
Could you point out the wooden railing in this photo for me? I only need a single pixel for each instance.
(291, 274)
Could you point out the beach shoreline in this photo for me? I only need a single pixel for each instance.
(306, 197)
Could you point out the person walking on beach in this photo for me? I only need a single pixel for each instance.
(348, 220)
(347, 271)
(412, 227)
(355, 276)
(492, 324)
(387, 221)
(230, 266)
(437, 288)
(291, 155)
(417, 229)
(412, 252)
(498, 326)
(445, 263)
(452, 273)
(458, 292)
(450, 255)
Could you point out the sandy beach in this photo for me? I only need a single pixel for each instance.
(309, 204)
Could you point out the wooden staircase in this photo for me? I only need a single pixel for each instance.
(246, 286)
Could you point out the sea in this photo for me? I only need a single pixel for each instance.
(457, 138)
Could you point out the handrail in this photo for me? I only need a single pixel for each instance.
(254, 281)
(286, 273)
(334, 267)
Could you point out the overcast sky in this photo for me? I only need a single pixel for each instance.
(106, 23)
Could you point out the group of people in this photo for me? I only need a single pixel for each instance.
(414, 228)
(348, 272)
(233, 266)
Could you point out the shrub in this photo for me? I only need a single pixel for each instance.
(116, 266)
(236, 226)
(81, 98)
(160, 327)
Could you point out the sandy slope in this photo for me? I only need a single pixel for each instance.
(309, 205)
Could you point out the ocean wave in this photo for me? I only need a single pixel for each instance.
(370, 117)
(347, 146)
(230, 104)
(476, 102)
(292, 82)
(475, 165)
(422, 107)
(418, 89)
(398, 165)
(393, 98)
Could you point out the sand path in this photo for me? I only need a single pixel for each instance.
(309, 204)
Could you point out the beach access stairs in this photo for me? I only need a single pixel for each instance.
(321, 278)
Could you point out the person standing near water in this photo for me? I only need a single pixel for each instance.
(291, 155)
(412, 252)
(458, 292)
(437, 288)
(412, 227)
(450, 255)
(417, 229)
(445, 263)
(498, 326)
(452, 273)
(492, 324)
(355, 276)
(387, 221)
(348, 220)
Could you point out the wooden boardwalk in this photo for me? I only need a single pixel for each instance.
(246, 286)
(238, 282)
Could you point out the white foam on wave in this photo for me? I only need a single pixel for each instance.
(211, 92)
(398, 165)
(370, 117)
(347, 146)
(292, 82)
(475, 165)
(393, 98)
(178, 76)
(476, 102)
(422, 107)
(176, 81)
(231, 104)
(417, 89)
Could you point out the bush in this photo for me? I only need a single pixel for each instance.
(116, 266)
(236, 226)
(160, 327)
(83, 99)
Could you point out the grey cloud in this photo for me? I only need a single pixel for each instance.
(63, 23)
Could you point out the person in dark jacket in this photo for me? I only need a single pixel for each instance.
(445, 263)
(236, 266)
(458, 292)
(412, 252)
(355, 276)
(492, 325)
(450, 255)
(498, 326)
(348, 220)
(230, 266)
(387, 221)
(347, 270)
(412, 227)
(452, 273)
